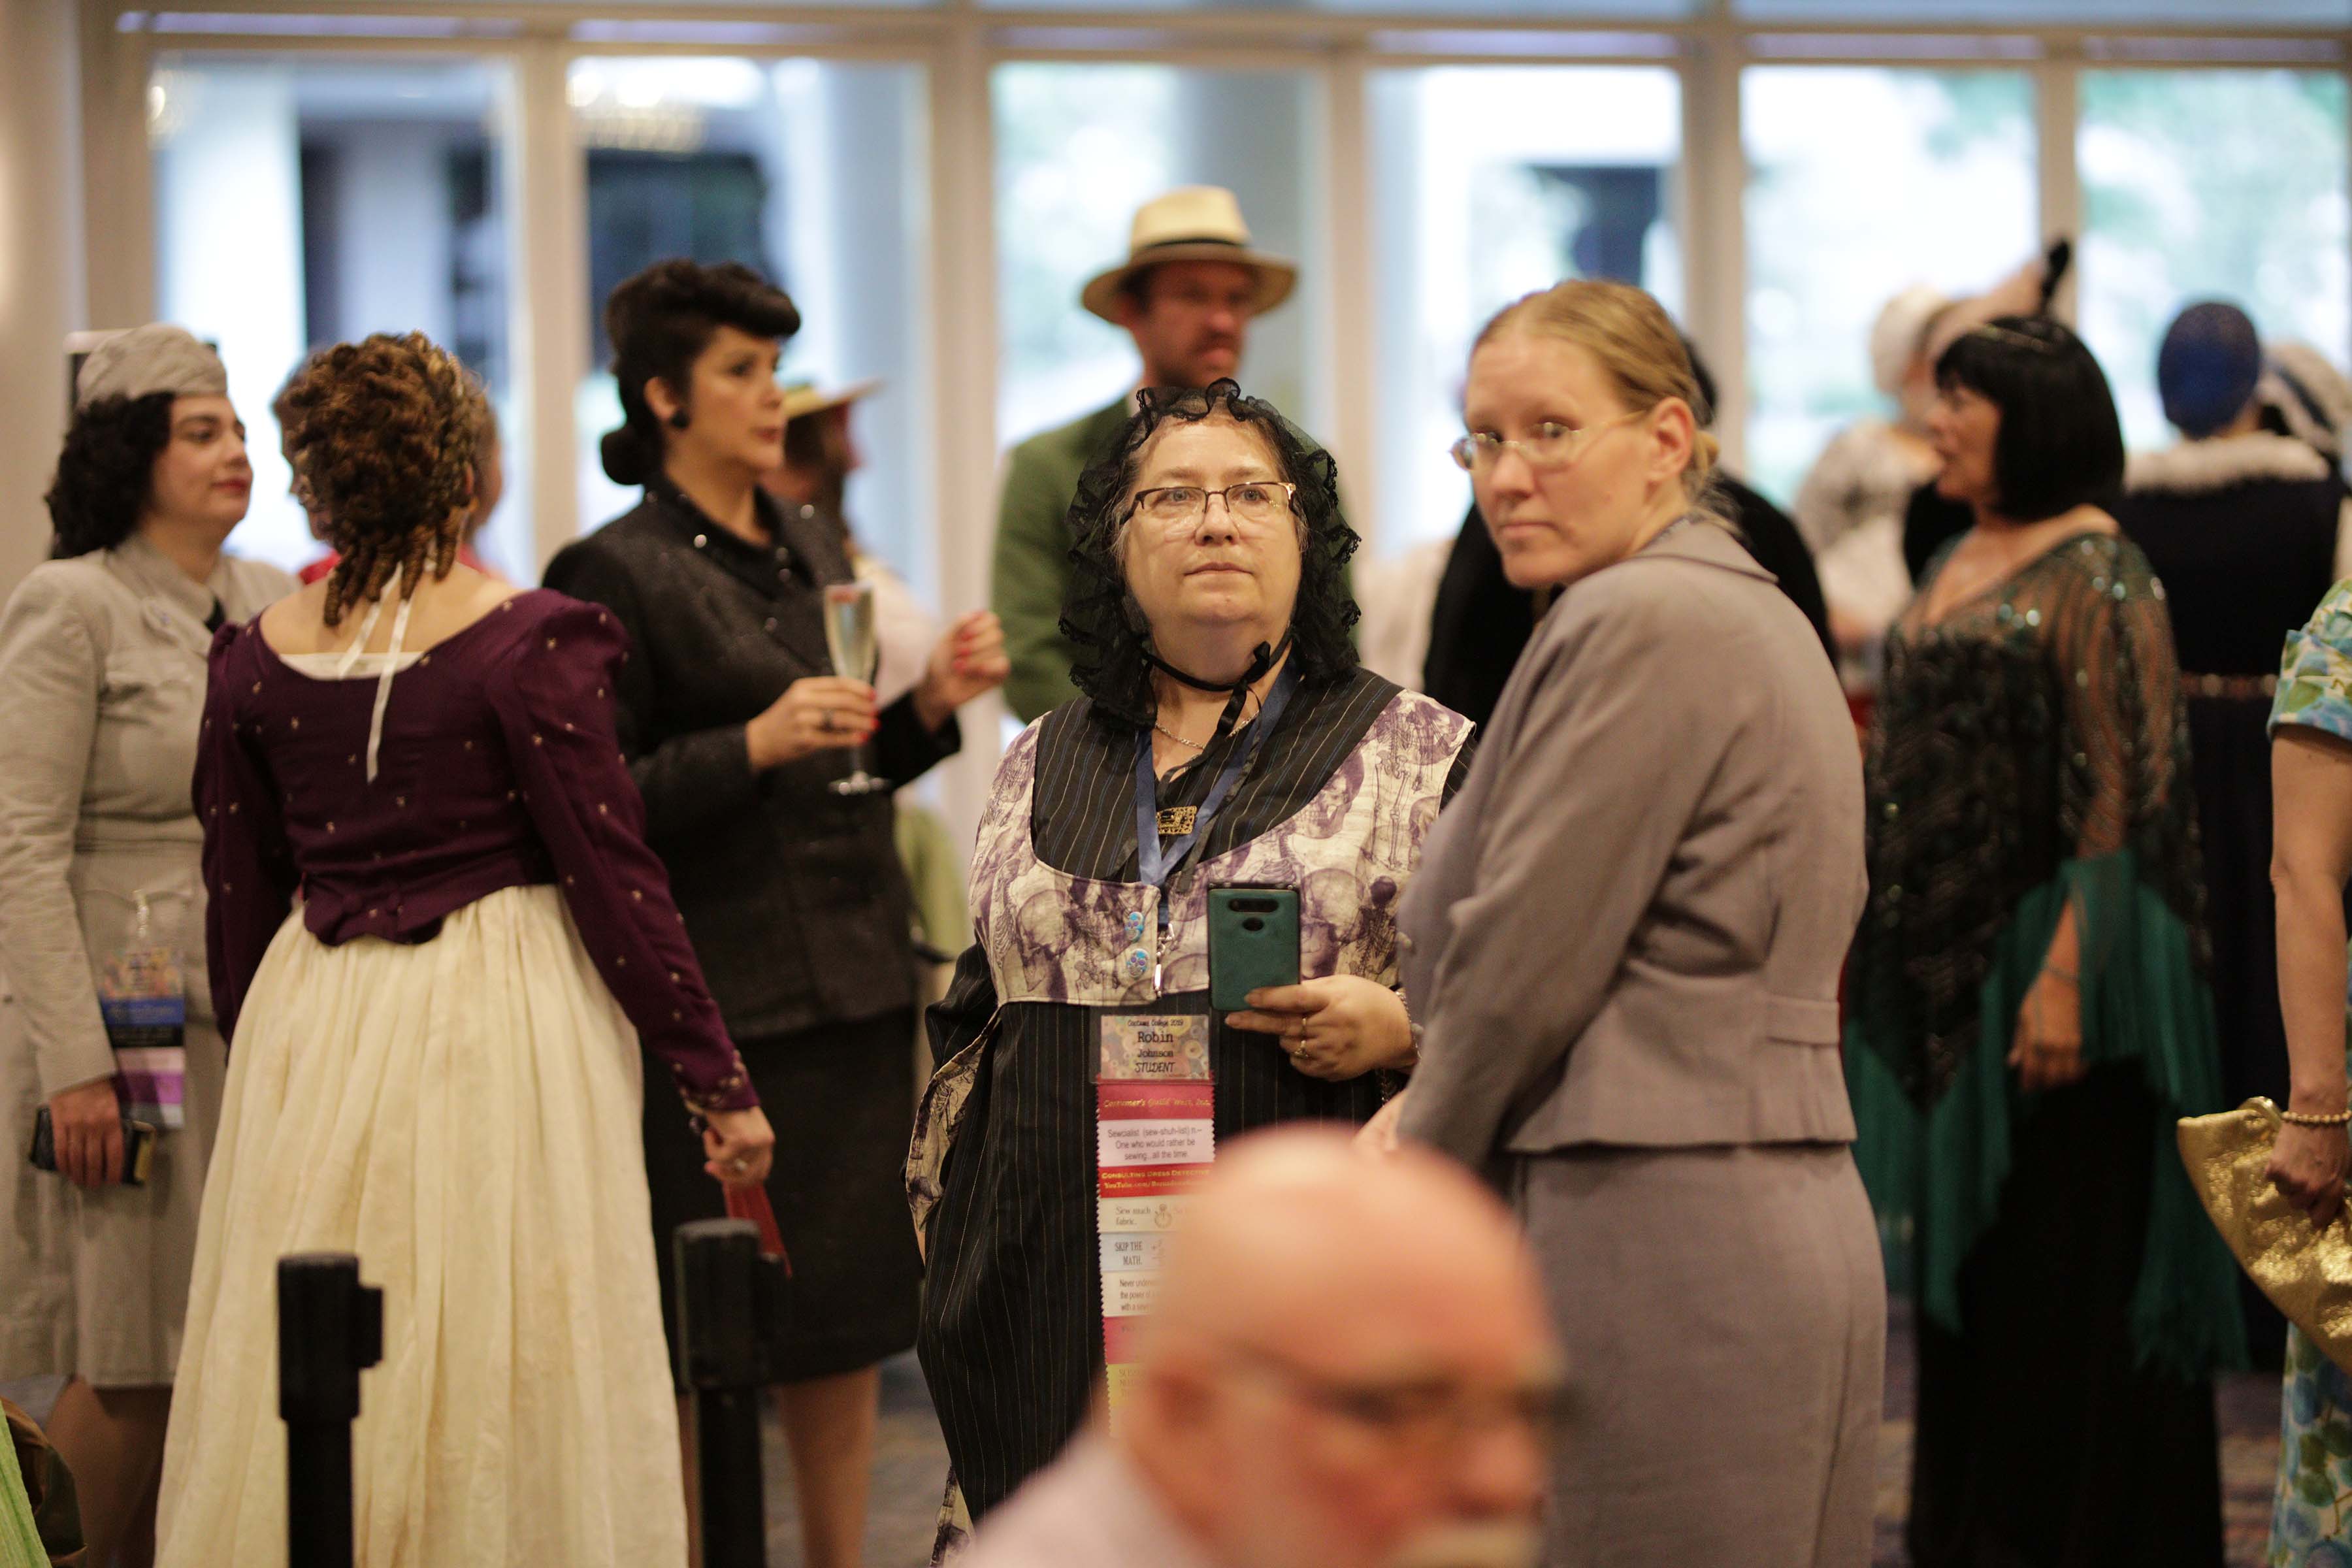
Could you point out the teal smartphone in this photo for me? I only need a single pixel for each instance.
(1253, 942)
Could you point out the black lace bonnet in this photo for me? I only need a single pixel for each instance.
(1102, 617)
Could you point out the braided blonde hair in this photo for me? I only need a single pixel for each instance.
(384, 434)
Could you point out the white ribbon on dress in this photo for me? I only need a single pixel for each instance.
(353, 655)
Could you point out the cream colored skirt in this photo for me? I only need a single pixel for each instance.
(465, 1116)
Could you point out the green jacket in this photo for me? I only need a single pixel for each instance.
(1031, 575)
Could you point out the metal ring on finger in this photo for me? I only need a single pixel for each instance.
(824, 720)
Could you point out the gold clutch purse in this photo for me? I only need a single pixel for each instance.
(2306, 1274)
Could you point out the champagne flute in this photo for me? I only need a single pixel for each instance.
(849, 635)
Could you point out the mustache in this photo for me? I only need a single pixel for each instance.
(1470, 1543)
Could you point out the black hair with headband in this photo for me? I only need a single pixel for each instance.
(1116, 657)
(2060, 444)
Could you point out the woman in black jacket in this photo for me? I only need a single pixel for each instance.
(735, 730)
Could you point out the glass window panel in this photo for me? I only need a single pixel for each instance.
(2209, 184)
(784, 8)
(1863, 181)
(1078, 149)
(2125, 13)
(1611, 10)
(312, 201)
(1489, 182)
(813, 173)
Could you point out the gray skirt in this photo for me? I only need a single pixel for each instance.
(95, 1284)
(1723, 1315)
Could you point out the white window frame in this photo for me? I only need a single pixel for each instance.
(959, 43)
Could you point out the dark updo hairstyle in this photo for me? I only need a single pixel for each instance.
(2060, 444)
(106, 471)
(1101, 615)
(382, 434)
(659, 322)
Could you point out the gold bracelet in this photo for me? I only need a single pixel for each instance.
(2305, 1118)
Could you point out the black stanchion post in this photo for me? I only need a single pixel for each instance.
(719, 1322)
(330, 1329)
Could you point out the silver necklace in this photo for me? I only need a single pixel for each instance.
(1198, 747)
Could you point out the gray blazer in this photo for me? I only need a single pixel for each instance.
(1629, 926)
(102, 665)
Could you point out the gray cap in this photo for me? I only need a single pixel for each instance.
(158, 357)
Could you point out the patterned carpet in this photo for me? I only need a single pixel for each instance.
(2247, 1406)
(912, 1464)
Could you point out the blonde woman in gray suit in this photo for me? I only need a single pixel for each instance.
(102, 659)
(1623, 951)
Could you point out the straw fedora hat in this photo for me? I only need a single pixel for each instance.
(1192, 222)
(804, 398)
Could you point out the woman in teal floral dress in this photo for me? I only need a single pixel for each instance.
(2311, 793)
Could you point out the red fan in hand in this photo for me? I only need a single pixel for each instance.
(751, 1202)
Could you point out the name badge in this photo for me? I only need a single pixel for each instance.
(1152, 1047)
(143, 1005)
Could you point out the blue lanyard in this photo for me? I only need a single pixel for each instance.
(1155, 862)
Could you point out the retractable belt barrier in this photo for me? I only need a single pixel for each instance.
(728, 1312)
(329, 1330)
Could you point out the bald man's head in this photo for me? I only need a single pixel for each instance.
(1348, 1364)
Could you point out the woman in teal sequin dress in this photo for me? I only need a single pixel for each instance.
(2027, 1007)
(2310, 786)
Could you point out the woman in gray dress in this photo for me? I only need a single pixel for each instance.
(102, 689)
(1624, 950)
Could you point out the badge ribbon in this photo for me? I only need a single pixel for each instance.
(1155, 1135)
(142, 1001)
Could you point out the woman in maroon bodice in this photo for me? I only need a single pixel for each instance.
(435, 937)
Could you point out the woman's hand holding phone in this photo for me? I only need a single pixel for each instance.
(86, 1123)
(1335, 1028)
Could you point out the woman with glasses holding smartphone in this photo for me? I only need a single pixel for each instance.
(1623, 948)
(1225, 734)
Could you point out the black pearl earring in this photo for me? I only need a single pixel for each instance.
(678, 421)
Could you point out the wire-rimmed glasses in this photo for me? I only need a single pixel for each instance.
(1550, 445)
(1254, 503)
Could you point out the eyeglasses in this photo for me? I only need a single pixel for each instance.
(1419, 1417)
(1552, 445)
(1254, 503)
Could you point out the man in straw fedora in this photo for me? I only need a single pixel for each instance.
(1187, 293)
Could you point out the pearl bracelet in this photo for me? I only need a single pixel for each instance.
(2305, 1118)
